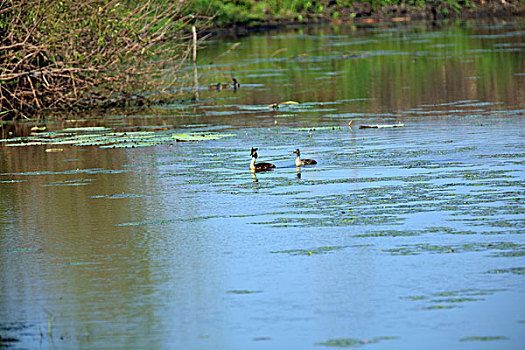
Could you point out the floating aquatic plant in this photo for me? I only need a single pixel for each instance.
(199, 137)
(484, 338)
(380, 126)
(104, 137)
(513, 270)
(244, 291)
(353, 342)
(70, 172)
(319, 250)
(508, 249)
(450, 299)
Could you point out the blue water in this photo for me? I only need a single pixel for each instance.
(399, 238)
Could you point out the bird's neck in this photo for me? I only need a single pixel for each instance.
(297, 160)
(252, 164)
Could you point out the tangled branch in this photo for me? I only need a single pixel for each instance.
(70, 55)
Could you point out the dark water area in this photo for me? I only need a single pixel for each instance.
(113, 234)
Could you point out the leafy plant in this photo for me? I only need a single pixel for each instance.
(69, 55)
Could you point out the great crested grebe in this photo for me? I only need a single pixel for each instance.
(218, 87)
(259, 166)
(299, 161)
(235, 84)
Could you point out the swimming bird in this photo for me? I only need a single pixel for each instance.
(235, 84)
(259, 166)
(299, 161)
(218, 86)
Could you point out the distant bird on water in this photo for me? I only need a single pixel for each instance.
(299, 161)
(219, 87)
(256, 167)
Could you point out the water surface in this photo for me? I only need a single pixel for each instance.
(398, 238)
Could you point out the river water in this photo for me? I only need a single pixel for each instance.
(400, 237)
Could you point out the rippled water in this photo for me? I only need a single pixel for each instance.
(398, 238)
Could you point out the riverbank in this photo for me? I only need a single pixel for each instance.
(243, 19)
(106, 61)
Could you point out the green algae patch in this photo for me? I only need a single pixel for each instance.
(320, 250)
(484, 338)
(454, 300)
(333, 221)
(103, 137)
(69, 172)
(353, 342)
(415, 297)
(515, 254)
(451, 299)
(391, 233)
(513, 270)
(506, 249)
(199, 137)
(442, 307)
(243, 291)
(94, 136)
(418, 249)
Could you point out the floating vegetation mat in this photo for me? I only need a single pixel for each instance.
(451, 299)
(243, 291)
(486, 201)
(513, 270)
(71, 172)
(319, 250)
(484, 338)
(505, 249)
(106, 138)
(353, 342)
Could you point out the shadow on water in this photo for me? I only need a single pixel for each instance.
(149, 230)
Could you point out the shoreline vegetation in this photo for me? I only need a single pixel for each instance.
(65, 56)
(240, 17)
(72, 56)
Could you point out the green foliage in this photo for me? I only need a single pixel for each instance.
(226, 12)
(67, 55)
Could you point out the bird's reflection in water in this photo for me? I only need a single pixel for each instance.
(298, 172)
(254, 177)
